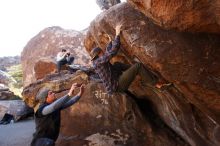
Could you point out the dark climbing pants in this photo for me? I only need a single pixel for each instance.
(129, 75)
(63, 62)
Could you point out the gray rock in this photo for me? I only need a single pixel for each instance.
(17, 108)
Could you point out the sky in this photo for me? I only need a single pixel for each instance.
(21, 20)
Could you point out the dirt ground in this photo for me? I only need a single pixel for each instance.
(17, 134)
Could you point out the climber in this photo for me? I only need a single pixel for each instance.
(120, 82)
(64, 57)
(47, 116)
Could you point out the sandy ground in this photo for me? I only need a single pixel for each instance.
(17, 134)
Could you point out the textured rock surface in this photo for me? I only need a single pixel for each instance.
(56, 82)
(5, 78)
(43, 67)
(184, 114)
(183, 15)
(102, 120)
(17, 108)
(46, 45)
(190, 61)
(6, 94)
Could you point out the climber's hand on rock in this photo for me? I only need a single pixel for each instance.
(73, 87)
(109, 38)
(81, 90)
(118, 29)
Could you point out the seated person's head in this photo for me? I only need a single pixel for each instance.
(95, 53)
(63, 50)
(68, 52)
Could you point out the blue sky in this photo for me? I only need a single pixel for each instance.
(23, 19)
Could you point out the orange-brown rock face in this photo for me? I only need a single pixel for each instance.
(190, 61)
(185, 114)
(43, 67)
(56, 82)
(104, 120)
(45, 46)
(183, 15)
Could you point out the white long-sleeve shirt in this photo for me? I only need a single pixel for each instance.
(61, 56)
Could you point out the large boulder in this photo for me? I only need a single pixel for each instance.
(46, 45)
(182, 15)
(190, 61)
(17, 108)
(56, 82)
(102, 120)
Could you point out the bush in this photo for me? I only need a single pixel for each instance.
(15, 72)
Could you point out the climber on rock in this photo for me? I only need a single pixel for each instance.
(120, 82)
(63, 57)
(47, 115)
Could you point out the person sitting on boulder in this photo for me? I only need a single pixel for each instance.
(63, 58)
(48, 115)
(120, 83)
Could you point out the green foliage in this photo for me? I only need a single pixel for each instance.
(15, 72)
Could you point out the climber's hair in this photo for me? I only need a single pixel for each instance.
(63, 50)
